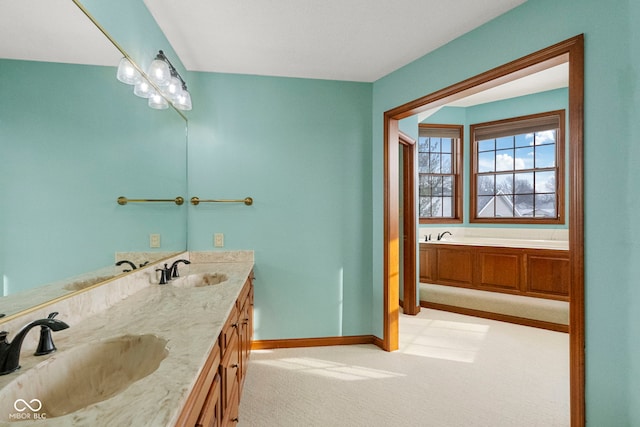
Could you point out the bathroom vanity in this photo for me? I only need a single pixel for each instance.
(196, 329)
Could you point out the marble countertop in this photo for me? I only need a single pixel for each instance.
(189, 318)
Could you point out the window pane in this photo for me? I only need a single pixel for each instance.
(447, 186)
(424, 185)
(504, 205)
(524, 158)
(425, 207)
(485, 206)
(504, 142)
(486, 145)
(436, 185)
(504, 160)
(524, 205)
(504, 183)
(423, 144)
(546, 206)
(447, 207)
(446, 163)
(434, 163)
(545, 182)
(435, 145)
(545, 137)
(486, 162)
(546, 156)
(447, 144)
(486, 185)
(436, 206)
(524, 183)
(423, 163)
(524, 140)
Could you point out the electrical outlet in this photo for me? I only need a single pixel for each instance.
(154, 240)
(218, 240)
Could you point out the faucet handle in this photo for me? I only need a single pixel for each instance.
(46, 345)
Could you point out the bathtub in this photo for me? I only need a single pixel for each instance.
(556, 239)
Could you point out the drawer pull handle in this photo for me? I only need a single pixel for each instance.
(235, 365)
(235, 325)
(235, 420)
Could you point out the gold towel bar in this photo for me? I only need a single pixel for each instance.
(123, 200)
(247, 201)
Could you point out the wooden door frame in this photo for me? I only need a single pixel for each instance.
(571, 51)
(410, 303)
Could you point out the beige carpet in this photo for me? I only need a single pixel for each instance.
(546, 310)
(452, 370)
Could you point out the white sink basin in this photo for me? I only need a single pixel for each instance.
(81, 376)
(199, 280)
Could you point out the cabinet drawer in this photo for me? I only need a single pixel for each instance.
(211, 411)
(193, 408)
(229, 372)
(228, 330)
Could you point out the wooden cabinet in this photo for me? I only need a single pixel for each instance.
(215, 397)
(427, 263)
(542, 273)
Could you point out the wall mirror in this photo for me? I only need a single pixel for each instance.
(571, 52)
(73, 140)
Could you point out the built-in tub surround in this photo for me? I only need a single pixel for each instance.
(188, 318)
(541, 238)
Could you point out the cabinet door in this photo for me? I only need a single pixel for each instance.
(455, 266)
(427, 263)
(548, 274)
(499, 269)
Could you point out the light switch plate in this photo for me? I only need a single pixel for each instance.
(218, 240)
(154, 240)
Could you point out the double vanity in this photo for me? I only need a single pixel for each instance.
(140, 353)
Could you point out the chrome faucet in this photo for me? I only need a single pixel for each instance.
(441, 235)
(174, 268)
(124, 261)
(10, 352)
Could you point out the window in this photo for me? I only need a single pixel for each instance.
(439, 173)
(517, 170)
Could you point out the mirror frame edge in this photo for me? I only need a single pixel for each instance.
(571, 51)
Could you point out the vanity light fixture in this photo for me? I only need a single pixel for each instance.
(161, 85)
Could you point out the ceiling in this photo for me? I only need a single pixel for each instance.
(354, 40)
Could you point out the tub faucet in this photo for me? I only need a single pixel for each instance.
(441, 235)
(174, 267)
(124, 261)
(10, 352)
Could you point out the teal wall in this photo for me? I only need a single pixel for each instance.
(514, 107)
(310, 153)
(73, 139)
(612, 49)
(301, 149)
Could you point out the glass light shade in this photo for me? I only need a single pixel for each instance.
(127, 73)
(157, 101)
(174, 88)
(159, 72)
(183, 101)
(143, 89)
